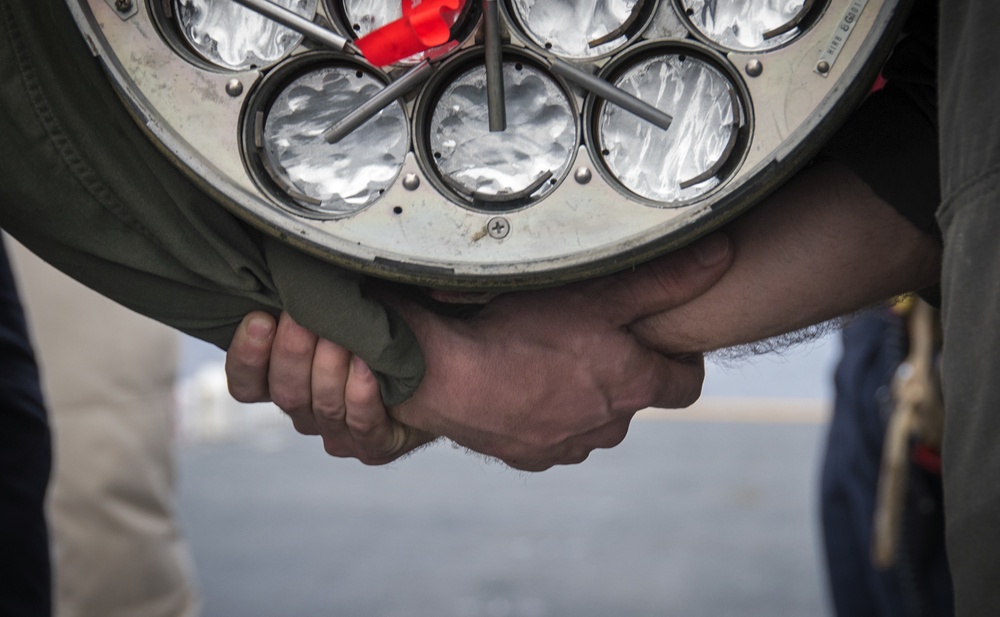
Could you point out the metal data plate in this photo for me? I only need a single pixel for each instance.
(575, 187)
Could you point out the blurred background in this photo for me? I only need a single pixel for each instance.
(701, 512)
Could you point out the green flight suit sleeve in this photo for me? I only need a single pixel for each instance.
(84, 188)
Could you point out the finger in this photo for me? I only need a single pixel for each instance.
(330, 368)
(604, 437)
(376, 436)
(530, 467)
(248, 358)
(665, 282)
(290, 373)
(672, 382)
(575, 450)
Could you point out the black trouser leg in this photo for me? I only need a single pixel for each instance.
(25, 461)
(971, 303)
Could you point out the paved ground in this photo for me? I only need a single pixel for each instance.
(684, 519)
(702, 514)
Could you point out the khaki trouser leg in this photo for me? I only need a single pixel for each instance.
(108, 376)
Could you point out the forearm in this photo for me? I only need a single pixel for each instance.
(822, 246)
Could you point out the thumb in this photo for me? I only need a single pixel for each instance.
(668, 281)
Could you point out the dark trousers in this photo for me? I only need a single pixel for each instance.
(25, 461)
(972, 402)
(968, 89)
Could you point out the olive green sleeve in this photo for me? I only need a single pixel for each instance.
(84, 188)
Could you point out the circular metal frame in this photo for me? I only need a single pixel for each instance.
(254, 117)
(730, 159)
(793, 96)
(807, 16)
(631, 28)
(423, 114)
(166, 19)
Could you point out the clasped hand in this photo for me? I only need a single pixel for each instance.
(536, 378)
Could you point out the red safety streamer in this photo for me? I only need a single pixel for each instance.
(425, 24)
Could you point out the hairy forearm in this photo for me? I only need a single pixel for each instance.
(543, 377)
(822, 246)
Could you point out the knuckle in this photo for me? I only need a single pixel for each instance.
(531, 467)
(691, 396)
(679, 399)
(362, 397)
(382, 453)
(525, 459)
(239, 361)
(304, 427)
(331, 413)
(362, 426)
(375, 460)
(573, 452)
(617, 436)
(290, 401)
(613, 436)
(690, 393)
(682, 388)
(294, 345)
(376, 453)
(335, 448)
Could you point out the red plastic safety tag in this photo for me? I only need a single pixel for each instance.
(425, 24)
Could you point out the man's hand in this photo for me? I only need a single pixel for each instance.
(323, 388)
(542, 378)
(536, 379)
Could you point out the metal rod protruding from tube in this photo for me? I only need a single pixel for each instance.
(409, 81)
(611, 93)
(296, 22)
(495, 96)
